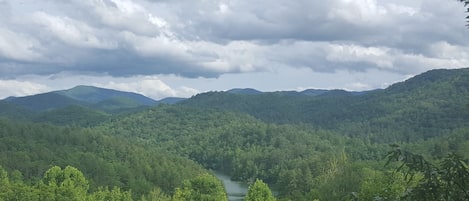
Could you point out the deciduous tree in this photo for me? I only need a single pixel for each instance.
(259, 191)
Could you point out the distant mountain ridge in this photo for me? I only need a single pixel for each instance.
(437, 95)
(244, 91)
(431, 104)
(108, 100)
(44, 101)
(91, 94)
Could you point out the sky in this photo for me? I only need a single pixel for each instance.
(178, 48)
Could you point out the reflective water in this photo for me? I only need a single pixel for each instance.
(235, 190)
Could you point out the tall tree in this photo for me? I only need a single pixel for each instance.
(259, 191)
(466, 3)
(66, 184)
(205, 187)
(448, 181)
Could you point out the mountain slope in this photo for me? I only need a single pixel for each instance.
(244, 91)
(171, 100)
(106, 100)
(14, 111)
(44, 101)
(427, 105)
(90, 94)
(72, 115)
(107, 160)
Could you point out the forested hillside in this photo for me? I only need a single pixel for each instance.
(104, 100)
(299, 161)
(315, 144)
(106, 160)
(428, 105)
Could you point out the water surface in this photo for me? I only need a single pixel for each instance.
(234, 189)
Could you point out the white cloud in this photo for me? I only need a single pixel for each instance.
(227, 40)
(73, 32)
(444, 50)
(236, 56)
(151, 86)
(20, 88)
(357, 86)
(148, 86)
(161, 45)
(358, 11)
(18, 46)
(352, 53)
(124, 15)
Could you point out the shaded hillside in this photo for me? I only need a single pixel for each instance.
(280, 107)
(117, 104)
(171, 100)
(106, 100)
(90, 94)
(427, 105)
(14, 111)
(74, 115)
(244, 91)
(45, 101)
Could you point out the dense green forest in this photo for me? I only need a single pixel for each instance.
(427, 105)
(107, 160)
(314, 145)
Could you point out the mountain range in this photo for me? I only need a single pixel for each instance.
(93, 97)
(434, 96)
(82, 105)
(311, 144)
(432, 103)
(90, 99)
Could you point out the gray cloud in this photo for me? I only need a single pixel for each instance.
(216, 37)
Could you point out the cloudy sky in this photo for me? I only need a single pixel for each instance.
(164, 48)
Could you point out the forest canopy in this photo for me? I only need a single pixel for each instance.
(287, 146)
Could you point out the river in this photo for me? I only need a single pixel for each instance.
(234, 189)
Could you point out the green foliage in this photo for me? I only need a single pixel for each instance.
(428, 105)
(66, 184)
(446, 182)
(73, 115)
(259, 191)
(156, 195)
(243, 147)
(379, 185)
(339, 180)
(57, 185)
(204, 187)
(115, 194)
(324, 146)
(106, 160)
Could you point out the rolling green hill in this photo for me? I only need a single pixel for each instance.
(14, 111)
(106, 100)
(106, 160)
(79, 106)
(73, 115)
(43, 102)
(428, 105)
(314, 144)
(92, 95)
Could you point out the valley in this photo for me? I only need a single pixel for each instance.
(308, 145)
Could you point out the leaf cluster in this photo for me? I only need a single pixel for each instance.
(448, 181)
